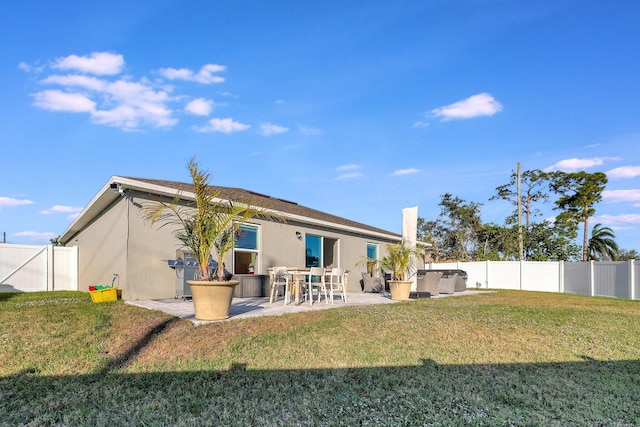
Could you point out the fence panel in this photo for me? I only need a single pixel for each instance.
(503, 274)
(577, 278)
(541, 276)
(23, 268)
(611, 279)
(29, 268)
(65, 268)
(636, 279)
(476, 274)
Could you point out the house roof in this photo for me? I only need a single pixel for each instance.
(291, 211)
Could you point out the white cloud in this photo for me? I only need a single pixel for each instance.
(624, 172)
(56, 100)
(60, 209)
(279, 101)
(227, 125)
(268, 129)
(309, 131)
(36, 236)
(574, 164)
(124, 104)
(482, 104)
(199, 107)
(8, 202)
(204, 76)
(351, 166)
(420, 124)
(616, 220)
(351, 175)
(408, 171)
(120, 101)
(136, 104)
(30, 68)
(74, 80)
(621, 195)
(99, 63)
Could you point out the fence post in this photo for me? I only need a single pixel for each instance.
(561, 276)
(49, 286)
(521, 272)
(592, 280)
(632, 280)
(486, 274)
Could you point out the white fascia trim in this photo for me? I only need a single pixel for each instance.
(81, 216)
(328, 224)
(168, 191)
(132, 184)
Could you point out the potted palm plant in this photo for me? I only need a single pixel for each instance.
(399, 260)
(204, 226)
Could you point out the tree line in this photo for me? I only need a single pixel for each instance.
(458, 233)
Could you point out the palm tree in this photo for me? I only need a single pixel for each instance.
(400, 259)
(602, 244)
(206, 224)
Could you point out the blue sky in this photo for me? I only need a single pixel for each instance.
(357, 108)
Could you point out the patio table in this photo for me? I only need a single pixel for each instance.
(298, 274)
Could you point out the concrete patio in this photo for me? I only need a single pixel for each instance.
(243, 308)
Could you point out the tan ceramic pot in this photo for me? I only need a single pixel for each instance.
(400, 289)
(211, 299)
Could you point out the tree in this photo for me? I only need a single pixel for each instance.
(602, 244)
(498, 243)
(627, 254)
(431, 232)
(56, 241)
(533, 190)
(454, 235)
(549, 242)
(578, 192)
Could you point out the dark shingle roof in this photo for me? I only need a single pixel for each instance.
(274, 203)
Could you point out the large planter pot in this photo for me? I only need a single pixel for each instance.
(212, 300)
(400, 289)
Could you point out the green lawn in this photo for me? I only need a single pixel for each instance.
(504, 358)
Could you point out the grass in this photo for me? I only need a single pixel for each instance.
(505, 358)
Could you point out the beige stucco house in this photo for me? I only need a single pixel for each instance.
(116, 243)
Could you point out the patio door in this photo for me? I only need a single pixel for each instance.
(321, 251)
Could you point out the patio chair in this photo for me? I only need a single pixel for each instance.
(428, 283)
(280, 278)
(316, 282)
(447, 285)
(336, 283)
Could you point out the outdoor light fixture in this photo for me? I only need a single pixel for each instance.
(299, 235)
(117, 187)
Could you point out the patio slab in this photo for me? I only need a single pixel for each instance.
(243, 308)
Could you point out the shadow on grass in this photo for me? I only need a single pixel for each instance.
(580, 393)
(7, 292)
(122, 361)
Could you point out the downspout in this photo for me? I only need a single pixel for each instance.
(127, 238)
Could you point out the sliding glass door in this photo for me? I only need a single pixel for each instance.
(321, 251)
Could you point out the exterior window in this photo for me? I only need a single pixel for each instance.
(372, 254)
(245, 252)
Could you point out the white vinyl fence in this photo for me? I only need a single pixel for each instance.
(28, 268)
(620, 279)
